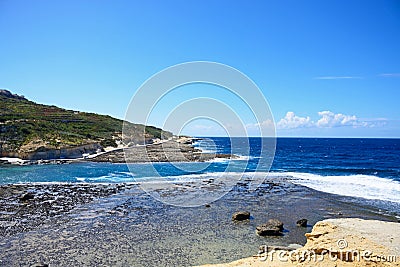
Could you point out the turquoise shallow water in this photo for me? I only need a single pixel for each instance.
(322, 156)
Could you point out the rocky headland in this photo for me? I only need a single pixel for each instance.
(32, 131)
(174, 150)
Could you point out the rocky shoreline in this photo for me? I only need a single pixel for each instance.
(121, 225)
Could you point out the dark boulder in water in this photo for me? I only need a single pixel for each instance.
(40, 264)
(302, 223)
(27, 196)
(241, 216)
(273, 227)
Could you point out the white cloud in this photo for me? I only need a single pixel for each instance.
(336, 77)
(377, 122)
(389, 75)
(327, 119)
(291, 121)
(330, 119)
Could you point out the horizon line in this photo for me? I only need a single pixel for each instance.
(315, 137)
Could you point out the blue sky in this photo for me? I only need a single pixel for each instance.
(327, 68)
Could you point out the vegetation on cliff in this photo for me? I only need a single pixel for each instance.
(26, 127)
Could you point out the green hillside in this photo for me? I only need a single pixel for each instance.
(24, 123)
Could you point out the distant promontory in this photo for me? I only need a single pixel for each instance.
(33, 131)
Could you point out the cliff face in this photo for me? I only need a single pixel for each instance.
(33, 131)
(62, 153)
(54, 153)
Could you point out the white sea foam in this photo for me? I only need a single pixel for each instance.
(117, 177)
(220, 160)
(245, 158)
(228, 176)
(363, 186)
(12, 160)
(205, 147)
(47, 183)
(237, 158)
(207, 151)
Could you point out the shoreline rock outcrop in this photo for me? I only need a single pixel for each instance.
(335, 242)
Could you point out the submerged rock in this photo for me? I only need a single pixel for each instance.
(302, 222)
(40, 264)
(273, 227)
(241, 216)
(27, 196)
(266, 249)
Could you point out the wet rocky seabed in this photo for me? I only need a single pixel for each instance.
(24, 207)
(122, 225)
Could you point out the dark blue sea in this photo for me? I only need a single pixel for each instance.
(363, 169)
